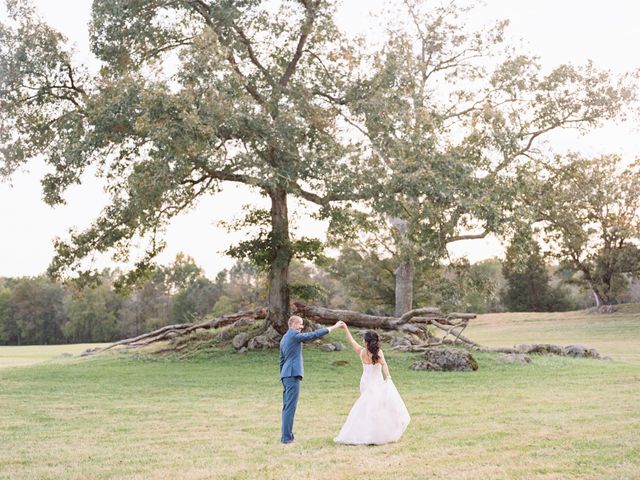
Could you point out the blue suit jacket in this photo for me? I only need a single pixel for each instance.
(291, 364)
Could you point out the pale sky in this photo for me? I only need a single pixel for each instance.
(558, 31)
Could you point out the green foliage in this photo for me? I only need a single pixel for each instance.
(9, 331)
(223, 306)
(589, 209)
(431, 133)
(528, 288)
(37, 313)
(196, 300)
(262, 249)
(461, 286)
(41, 311)
(365, 276)
(308, 291)
(180, 274)
(369, 278)
(452, 117)
(92, 315)
(188, 96)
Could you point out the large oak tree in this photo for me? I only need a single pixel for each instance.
(190, 94)
(455, 117)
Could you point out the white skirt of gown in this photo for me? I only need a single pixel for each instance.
(379, 415)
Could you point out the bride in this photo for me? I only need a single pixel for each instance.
(379, 415)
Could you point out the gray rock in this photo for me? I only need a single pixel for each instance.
(242, 322)
(273, 335)
(422, 365)
(447, 359)
(524, 347)
(514, 358)
(542, 348)
(592, 353)
(224, 335)
(574, 351)
(90, 351)
(339, 346)
(240, 340)
(328, 347)
(243, 350)
(270, 338)
(550, 349)
(257, 343)
(580, 351)
(400, 342)
(65, 355)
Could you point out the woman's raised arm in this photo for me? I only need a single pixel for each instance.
(356, 346)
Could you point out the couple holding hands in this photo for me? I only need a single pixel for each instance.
(378, 416)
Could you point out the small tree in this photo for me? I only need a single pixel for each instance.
(195, 301)
(528, 288)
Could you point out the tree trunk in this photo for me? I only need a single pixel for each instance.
(404, 287)
(601, 300)
(279, 309)
(405, 272)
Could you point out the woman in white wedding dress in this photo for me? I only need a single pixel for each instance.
(379, 415)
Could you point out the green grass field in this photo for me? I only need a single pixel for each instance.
(32, 354)
(217, 416)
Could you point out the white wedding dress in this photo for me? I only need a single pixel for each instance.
(379, 415)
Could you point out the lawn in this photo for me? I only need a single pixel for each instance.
(32, 354)
(217, 416)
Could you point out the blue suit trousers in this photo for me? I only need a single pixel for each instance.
(290, 393)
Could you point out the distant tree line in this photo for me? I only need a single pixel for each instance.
(39, 310)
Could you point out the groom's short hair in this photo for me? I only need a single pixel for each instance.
(294, 319)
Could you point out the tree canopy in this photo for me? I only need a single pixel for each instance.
(589, 209)
(453, 116)
(190, 94)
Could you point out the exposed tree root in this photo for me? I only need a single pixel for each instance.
(182, 329)
(414, 324)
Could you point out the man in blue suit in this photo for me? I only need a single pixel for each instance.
(292, 369)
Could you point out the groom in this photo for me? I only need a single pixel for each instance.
(292, 369)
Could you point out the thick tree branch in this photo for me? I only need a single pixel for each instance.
(252, 54)
(311, 11)
(473, 236)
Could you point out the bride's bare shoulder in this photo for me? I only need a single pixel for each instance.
(364, 356)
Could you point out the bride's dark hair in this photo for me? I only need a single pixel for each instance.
(372, 340)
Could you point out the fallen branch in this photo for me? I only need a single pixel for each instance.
(327, 316)
(181, 329)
